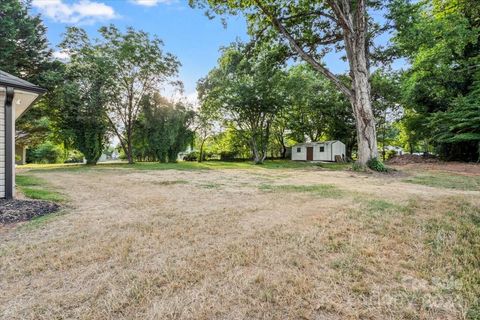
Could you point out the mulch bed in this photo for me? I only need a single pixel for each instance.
(15, 210)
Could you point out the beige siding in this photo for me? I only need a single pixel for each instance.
(2, 142)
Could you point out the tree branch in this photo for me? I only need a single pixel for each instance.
(327, 73)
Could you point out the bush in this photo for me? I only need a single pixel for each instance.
(47, 152)
(390, 154)
(228, 156)
(192, 156)
(74, 156)
(376, 165)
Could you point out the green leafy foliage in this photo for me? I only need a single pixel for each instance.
(164, 130)
(245, 88)
(376, 165)
(83, 114)
(134, 66)
(47, 152)
(440, 90)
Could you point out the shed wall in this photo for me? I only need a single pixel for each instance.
(299, 156)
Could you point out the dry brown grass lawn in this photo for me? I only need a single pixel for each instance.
(244, 244)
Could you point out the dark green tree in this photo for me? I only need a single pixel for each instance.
(83, 113)
(25, 52)
(441, 40)
(166, 129)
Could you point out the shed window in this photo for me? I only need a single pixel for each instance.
(299, 149)
(322, 149)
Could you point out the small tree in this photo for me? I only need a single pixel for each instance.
(203, 130)
(246, 89)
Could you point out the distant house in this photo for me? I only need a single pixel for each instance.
(318, 151)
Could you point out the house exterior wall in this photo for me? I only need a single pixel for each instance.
(2, 142)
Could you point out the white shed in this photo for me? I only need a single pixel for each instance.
(16, 95)
(318, 151)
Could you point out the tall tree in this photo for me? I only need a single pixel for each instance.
(23, 41)
(246, 88)
(312, 29)
(25, 52)
(137, 65)
(83, 111)
(441, 40)
(166, 128)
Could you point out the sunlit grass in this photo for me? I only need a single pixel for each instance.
(325, 190)
(189, 166)
(446, 180)
(36, 188)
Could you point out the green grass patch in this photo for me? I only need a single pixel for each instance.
(28, 181)
(381, 206)
(324, 190)
(188, 166)
(36, 188)
(444, 180)
(334, 166)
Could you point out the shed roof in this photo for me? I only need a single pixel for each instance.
(9, 80)
(317, 142)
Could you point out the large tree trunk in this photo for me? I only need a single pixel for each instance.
(365, 121)
(356, 49)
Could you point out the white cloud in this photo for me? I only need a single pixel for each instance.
(151, 3)
(61, 55)
(79, 12)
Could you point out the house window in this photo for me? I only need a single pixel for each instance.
(322, 149)
(299, 149)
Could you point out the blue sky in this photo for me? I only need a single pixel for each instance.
(186, 32)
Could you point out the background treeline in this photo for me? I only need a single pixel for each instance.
(256, 102)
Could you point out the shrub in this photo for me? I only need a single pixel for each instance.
(390, 154)
(376, 165)
(192, 156)
(228, 155)
(47, 152)
(74, 156)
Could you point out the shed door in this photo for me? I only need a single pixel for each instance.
(309, 153)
